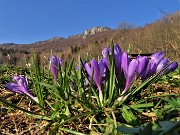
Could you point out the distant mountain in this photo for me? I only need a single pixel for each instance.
(162, 34)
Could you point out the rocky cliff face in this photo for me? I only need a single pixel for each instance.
(94, 30)
(90, 32)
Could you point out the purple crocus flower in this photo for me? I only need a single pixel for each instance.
(124, 68)
(156, 64)
(129, 68)
(54, 66)
(120, 59)
(96, 71)
(20, 86)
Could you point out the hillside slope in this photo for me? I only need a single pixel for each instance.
(163, 34)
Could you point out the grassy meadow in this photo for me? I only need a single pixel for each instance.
(69, 99)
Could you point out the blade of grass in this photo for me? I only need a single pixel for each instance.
(55, 88)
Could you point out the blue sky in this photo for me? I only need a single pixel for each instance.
(28, 21)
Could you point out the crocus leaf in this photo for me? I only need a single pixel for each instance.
(56, 89)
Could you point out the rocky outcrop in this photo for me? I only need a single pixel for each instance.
(94, 30)
(89, 32)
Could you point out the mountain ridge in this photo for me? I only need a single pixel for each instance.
(161, 35)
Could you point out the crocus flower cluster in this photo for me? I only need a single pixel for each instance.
(127, 70)
(20, 86)
(138, 68)
(55, 63)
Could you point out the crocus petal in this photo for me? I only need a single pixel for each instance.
(25, 83)
(117, 58)
(102, 68)
(88, 69)
(157, 55)
(150, 70)
(171, 68)
(142, 64)
(17, 79)
(96, 70)
(131, 74)
(156, 58)
(61, 61)
(125, 63)
(54, 66)
(21, 81)
(117, 49)
(106, 51)
(105, 60)
(14, 87)
(164, 62)
(117, 54)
